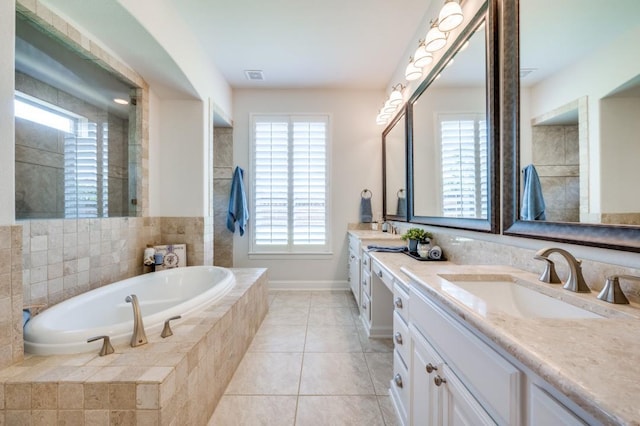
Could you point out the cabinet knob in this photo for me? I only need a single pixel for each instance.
(398, 380)
(431, 368)
(380, 273)
(364, 282)
(439, 380)
(364, 305)
(364, 262)
(398, 338)
(398, 303)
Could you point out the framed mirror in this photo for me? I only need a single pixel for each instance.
(452, 117)
(394, 168)
(571, 103)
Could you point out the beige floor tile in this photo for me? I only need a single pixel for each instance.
(263, 373)
(286, 315)
(381, 369)
(330, 316)
(329, 338)
(291, 298)
(279, 338)
(388, 411)
(335, 374)
(234, 410)
(336, 299)
(338, 411)
(373, 344)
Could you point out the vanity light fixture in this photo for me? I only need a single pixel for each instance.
(395, 98)
(389, 107)
(435, 39)
(450, 16)
(412, 72)
(422, 57)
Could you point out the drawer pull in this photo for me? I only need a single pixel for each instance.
(398, 303)
(364, 262)
(380, 273)
(364, 282)
(431, 368)
(398, 380)
(364, 305)
(398, 338)
(439, 380)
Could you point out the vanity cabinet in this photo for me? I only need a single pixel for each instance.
(354, 267)
(544, 409)
(380, 301)
(401, 382)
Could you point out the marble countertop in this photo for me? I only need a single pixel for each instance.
(365, 234)
(595, 362)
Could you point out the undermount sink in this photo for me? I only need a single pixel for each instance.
(504, 293)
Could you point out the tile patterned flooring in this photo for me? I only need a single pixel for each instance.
(310, 364)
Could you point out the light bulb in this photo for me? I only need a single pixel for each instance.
(450, 16)
(422, 58)
(389, 107)
(412, 72)
(435, 40)
(395, 98)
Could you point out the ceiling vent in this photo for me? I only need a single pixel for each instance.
(254, 75)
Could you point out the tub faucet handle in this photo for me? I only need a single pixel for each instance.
(107, 348)
(166, 331)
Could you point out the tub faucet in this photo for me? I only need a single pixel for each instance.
(575, 281)
(139, 337)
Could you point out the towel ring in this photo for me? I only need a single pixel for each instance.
(365, 192)
(400, 192)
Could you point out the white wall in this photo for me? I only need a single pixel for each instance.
(356, 163)
(7, 132)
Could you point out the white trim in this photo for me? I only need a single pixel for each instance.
(290, 256)
(309, 285)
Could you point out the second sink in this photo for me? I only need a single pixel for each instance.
(503, 293)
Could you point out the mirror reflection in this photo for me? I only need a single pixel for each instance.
(450, 141)
(579, 109)
(395, 170)
(72, 138)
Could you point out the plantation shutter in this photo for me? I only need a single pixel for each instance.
(290, 184)
(464, 166)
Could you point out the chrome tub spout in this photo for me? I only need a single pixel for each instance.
(138, 338)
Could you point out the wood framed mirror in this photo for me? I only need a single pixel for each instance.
(394, 168)
(568, 109)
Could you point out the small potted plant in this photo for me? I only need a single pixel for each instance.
(415, 236)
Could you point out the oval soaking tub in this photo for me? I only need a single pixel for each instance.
(64, 328)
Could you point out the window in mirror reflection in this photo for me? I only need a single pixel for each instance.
(395, 169)
(72, 139)
(450, 143)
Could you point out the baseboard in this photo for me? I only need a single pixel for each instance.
(308, 285)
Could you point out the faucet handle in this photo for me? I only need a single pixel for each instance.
(549, 274)
(166, 330)
(107, 348)
(612, 292)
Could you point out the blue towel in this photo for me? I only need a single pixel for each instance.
(238, 211)
(389, 249)
(401, 209)
(366, 214)
(533, 206)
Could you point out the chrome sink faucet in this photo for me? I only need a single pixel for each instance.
(575, 281)
(138, 338)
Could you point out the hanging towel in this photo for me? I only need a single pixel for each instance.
(533, 206)
(238, 211)
(366, 214)
(401, 209)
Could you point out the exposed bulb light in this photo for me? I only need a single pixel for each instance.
(395, 98)
(435, 39)
(412, 72)
(450, 16)
(121, 101)
(422, 57)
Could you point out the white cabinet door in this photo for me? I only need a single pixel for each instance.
(426, 399)
(546, 410)
(459, 407)
(354, 275)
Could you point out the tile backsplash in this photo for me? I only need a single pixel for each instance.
(11, 347)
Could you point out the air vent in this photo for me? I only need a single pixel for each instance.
(254, 75)
(526, 71)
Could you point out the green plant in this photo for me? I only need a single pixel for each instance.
(417, 234)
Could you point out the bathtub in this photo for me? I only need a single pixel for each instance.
(64, 328)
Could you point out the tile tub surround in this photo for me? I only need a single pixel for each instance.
(11, 342)
(572, 355)
(311, 363)
(178, 380)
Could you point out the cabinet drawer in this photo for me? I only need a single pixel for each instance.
(354, 244)
(366, 262)
(492, 379)
(401, 301)
(366, 283)
(365, 309)
(401, 338)
(384, 275)
(546, 410)
(400, 387)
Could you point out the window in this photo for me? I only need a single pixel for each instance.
(464, 165)
(290, 209)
